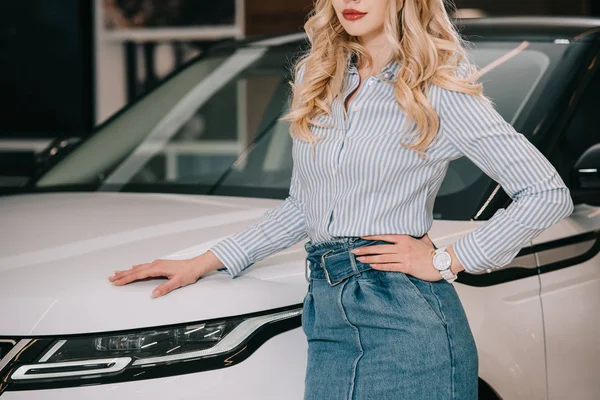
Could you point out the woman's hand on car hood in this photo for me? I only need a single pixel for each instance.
(179, 272)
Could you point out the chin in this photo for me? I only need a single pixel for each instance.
(355, 30)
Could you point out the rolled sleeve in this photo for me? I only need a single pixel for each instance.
(540, 197)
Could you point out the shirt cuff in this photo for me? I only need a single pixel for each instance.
(471, 255)
(232, 256)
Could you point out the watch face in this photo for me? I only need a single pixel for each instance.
(442, 260)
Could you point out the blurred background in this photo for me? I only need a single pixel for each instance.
(67, 65)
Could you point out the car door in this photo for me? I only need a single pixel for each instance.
(569, 264)
(570, 280)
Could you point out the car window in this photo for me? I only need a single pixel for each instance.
(581, 133)
(214, 128)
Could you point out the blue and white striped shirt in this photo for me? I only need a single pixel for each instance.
(362, 182)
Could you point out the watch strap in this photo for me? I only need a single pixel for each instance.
(448, 275)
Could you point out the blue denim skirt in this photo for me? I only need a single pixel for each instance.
(378, 335)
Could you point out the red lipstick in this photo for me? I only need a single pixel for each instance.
(352, 15)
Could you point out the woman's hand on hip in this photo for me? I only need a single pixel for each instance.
(404, 254)
(179, 272)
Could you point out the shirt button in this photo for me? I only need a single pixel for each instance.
(371, 83)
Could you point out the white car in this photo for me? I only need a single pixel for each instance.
(204, 155)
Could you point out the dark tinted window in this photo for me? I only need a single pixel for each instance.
(582, 132)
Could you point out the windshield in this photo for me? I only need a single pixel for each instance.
(214, 128)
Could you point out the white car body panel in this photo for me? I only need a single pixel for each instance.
(508, 328)
(84, 237)
(570, 298)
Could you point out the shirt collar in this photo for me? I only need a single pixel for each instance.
(387, 73)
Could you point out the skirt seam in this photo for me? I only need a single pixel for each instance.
(355, 363)
(450, 344)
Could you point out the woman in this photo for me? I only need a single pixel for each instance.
(382, 102)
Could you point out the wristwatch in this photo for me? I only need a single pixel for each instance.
(442, 262)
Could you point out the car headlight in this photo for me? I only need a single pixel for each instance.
(126, 356)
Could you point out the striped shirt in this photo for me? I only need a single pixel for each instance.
(360, 181)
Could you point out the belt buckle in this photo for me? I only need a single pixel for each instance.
(325, 269)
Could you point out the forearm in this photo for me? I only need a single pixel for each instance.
(212, 262)
(279, 228)
(206, 262)
(495, 243)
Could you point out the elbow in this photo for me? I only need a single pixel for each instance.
(567, 205)
(562, 206)
(557, 205)
(558, 199)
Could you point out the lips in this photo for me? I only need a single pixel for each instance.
(352, 15)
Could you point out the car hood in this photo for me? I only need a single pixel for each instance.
(57, 251)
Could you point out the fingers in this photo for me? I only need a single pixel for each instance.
(395, 267)
(381, 259)
(166, 287)
(119, 273)
(122, 273)
(376, 249)
(150, 270)
(157, 268)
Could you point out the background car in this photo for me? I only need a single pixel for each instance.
(204, 155)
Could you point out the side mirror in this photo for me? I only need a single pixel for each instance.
(586, 177)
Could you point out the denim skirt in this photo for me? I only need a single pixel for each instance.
(379, 335)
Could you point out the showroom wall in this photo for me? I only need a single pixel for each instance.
(169, 49)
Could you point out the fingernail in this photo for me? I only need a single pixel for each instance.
(355, 251)
(360, 259)
(155, 293)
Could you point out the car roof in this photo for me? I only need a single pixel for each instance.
(532, 28)
(488, 28)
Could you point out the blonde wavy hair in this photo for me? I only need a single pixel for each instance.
(423, 40)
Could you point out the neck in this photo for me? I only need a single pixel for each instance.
(378, 48)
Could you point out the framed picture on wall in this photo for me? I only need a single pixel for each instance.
(155, 20)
